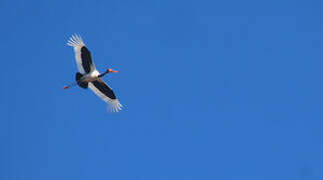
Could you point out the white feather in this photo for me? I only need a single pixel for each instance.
(77, 42)
(113, 104)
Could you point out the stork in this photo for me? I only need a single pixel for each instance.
(89, 76)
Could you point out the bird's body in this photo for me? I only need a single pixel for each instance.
(92, 76)
(89, 76)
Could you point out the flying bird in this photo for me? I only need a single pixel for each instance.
(89, 76)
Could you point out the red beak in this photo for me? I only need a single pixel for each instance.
(114, 71)
(65, 87)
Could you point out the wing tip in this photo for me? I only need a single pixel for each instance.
(75, 41)
(114, 106)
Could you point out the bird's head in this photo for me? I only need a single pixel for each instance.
(111, 71)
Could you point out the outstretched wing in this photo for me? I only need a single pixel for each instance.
(101, 89)
(82, 54)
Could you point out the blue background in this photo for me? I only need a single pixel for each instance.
(228, 90)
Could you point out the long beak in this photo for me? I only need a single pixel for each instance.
(114, 71)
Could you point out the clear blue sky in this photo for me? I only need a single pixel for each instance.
(228, 90)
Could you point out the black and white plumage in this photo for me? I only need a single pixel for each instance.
(89, 76)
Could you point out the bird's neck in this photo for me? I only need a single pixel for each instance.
(101, 75)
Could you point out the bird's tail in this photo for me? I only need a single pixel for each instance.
(82, 84)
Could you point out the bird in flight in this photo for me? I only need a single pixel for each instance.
(89, 76)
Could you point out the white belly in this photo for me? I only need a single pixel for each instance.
(92, 76)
